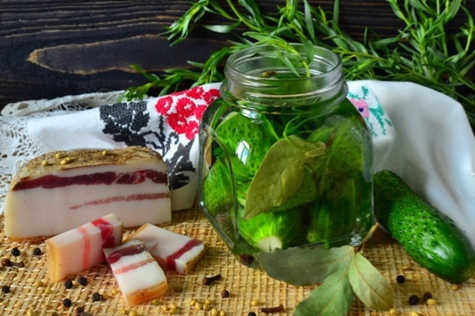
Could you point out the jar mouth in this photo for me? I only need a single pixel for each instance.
(262, 71)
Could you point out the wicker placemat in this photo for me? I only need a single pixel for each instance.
(30, 294)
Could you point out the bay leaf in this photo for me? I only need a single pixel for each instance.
(304, 266)
(369, 285)
(332, 298)
(280, 174)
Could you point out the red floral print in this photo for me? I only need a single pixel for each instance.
(184, 109)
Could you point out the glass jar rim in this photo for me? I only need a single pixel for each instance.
(321, 56)
(245, 75)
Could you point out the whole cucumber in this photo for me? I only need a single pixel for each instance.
(429, 237)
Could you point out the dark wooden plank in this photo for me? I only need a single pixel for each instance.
(54, 48)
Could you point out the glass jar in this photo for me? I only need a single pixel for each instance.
(285, 158)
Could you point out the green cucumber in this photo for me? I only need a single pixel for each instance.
(428, 236)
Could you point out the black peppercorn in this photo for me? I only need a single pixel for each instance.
(400, 279)
(68, 284)
(413, 300)
(37, 252)
(426, 296)
(79, 310)
(5, 289)
(251, 314)
(82, 280)
(96, 297)
(15, 252)
(67, 302)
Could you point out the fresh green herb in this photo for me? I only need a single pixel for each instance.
(369, 285)
(305, 266)
(281, 174)
(423, 51)
(333, 297)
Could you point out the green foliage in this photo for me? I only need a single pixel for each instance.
(423, 51)
(305, 266)
(281, 174)
(369, 285)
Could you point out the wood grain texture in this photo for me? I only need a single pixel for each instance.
(54, 48)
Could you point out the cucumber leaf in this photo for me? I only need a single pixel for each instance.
(280, 174)
(304, 266)
(333, 298)
(372, 288)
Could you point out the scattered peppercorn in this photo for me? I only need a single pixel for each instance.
(79, 309)
(224, 293)
(67, 302)
(82, 280)
(427, 296)
(96, 297)
(413, 300)
(246, 259)
(68, 284)
(15, 252)
(37, 251)
(400, 279)
(251, 314)
(5, 289)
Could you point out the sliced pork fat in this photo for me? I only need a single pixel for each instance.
(175, 252)
(138, 274)
(59, 191)
(81, 248)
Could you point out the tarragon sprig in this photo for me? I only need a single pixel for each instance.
(423, 52)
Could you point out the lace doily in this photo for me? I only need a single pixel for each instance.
(16, 143)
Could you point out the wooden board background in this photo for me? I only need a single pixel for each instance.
(54, 48)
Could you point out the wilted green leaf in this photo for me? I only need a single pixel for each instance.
(333, 298)
(304, 266)
(280, 174)
(369, 285)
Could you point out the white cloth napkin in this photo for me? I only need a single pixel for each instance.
(422, 135)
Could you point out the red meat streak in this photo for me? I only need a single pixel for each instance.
(131, 250)
(106, 178)
(87, 247)
(171, 259)
(122, 198)
(107, 231)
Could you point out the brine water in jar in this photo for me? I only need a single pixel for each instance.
(285, 158)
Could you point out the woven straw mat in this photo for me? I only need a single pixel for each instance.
(31, 294)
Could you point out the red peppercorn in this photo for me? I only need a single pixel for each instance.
(426, 296)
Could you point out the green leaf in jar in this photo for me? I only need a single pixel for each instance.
(305, 266)
(369, 285)
(280, 174)
(333, 298)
